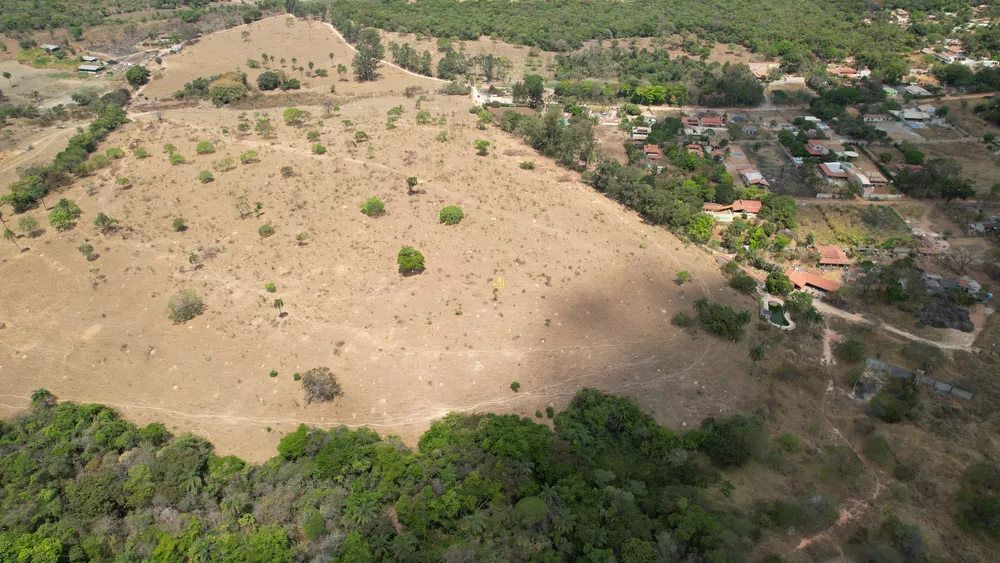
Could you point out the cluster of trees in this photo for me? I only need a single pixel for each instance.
(225, 88)
(652, 77)
(408, 58)
(608, 483)
(20, 16)
(37, 181)
(809, 30)
(959, 75)
(989, 110)
(725, 322)
(941, 177)
(572, 143)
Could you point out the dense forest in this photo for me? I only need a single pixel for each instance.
(827, 30)
(81, 484)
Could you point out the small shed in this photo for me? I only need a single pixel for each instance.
(90, 59)
(50, 47)
(89, 68)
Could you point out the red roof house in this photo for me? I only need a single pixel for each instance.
(804, 280)
(712, 122)
(652, 151)
(833, 256)
(817, 148)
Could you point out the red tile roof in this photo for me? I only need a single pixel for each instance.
(815, 148)
(803, 279)
(712, 122)
(830, 173)
(652, 151)
(833, 256)
(747, 205)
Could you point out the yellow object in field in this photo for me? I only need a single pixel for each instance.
(499, 283)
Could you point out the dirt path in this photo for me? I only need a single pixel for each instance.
(963, 342)
(385, 62)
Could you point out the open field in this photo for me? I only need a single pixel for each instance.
(588, 299)
(281, 36)
(850, 225)
(967, 119)
(977, 165)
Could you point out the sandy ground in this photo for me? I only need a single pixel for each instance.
(588, 299)
(283, 37)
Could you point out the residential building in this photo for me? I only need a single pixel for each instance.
(915, 90)
(690, 121)
(726, 213)
(816, 148)
(749, 130)
(833, 256)
(890, 91)
(696, 148)
(833, 170)
(914, 115)
(713, 122)
(811, 282)
(753, 177)
(640, 133)
(927, 108)
(89, 68)
(652, 151)
(89, 59)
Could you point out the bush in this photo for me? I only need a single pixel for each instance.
(115, 153)
(312, 136)
(851, 350)
(270, 287)
(482, 147)
(179, 225)
(63, 215)
(877, 449)
(721, 320)
(205, 176)
(177, 158)
(527, 165)
(287, 172)
(682, 319)
(742, 282)
(140, 153)
(224, 164)
(249, 157)
(683, 276)
(184, 306)
(204, 147)
(268, 80)
(265, 230)
(318, 149)
(410, 261)
(373, 207)
(790, 442)
(28, 225)
(734, 440)
(778, 284)
(451, 215)
(320, 385)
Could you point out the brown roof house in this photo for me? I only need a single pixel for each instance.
(833, 256)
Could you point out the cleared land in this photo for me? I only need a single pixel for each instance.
(850, 225)
(977, 165)
(587, 299)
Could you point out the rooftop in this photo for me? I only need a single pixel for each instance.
(803, 279)
(833, 256)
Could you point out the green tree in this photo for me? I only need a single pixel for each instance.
(756, 355)
(137, 76)
(373, 207)
(683, 276)
(778, 284)
(269, 80)
(369, 52)
(481, 147)
(205, 147)
(7, 75)
(293, 116)
(451, 215)
(278, 304)
(184, 306)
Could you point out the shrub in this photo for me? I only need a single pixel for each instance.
(451, 215)
(721, 320)
(683, 276)
(249, 157)
(105, 223)
(320, 385)
(410, 261)
(742, 282)
(312, 136)
(293, 116)
(527, 165)
(177, 158)
(273, 373)
(681, 319)
(28, 225)
(482, 147)
(315, 526)
(63, 215)
(87, 250)
(515, 386)
(179, 225)
(204, 147)
(851, 350)
(184, 306)
(360, 136)
(287, 172)
(291, 84)
(115, 153)
(224, 164)
(265, 230)
(778, 284)
(270, 287)
(268, 80)
(318, 149)
(442, 137)
(550, 412)
(734, 440)
(373, 207)
(140, 153)
(790, 442)
(169, 148)
(877, 449)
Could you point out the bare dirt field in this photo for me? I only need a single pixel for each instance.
(285, 38)
(587, 297)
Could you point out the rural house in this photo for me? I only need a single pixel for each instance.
(833, 256)
(811, 282)
(753, 177)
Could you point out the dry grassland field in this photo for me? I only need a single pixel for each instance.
(981, 168)
(587, 297)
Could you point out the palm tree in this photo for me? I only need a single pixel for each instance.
(331, 56)
(192, 481)
(404, 545)
(477, 522)
(363, 512)
(42, 398)
(234, 504)
(756, 355)
(7, 76)
(9, 235)
(278, 304)
(700, 304)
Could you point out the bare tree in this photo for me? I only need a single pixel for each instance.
(963, 256)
